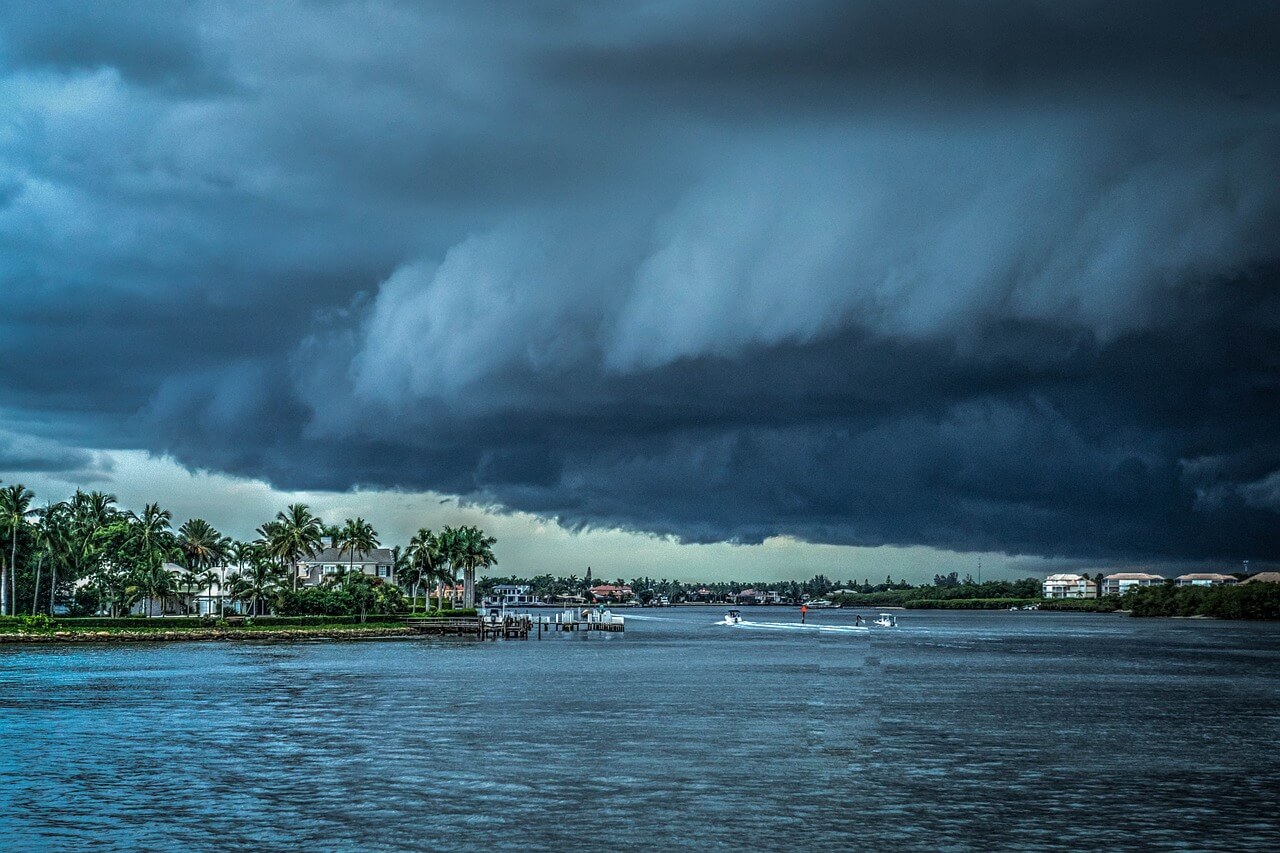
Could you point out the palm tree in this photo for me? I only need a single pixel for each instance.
(208, 580)
(55, 543)
(150, 535)
(90, 512)
(15, 506)
(157, 581)
(258, 581)
(202, 547)
(356, 535)
(425, 562)
(475, 551)
(296, 533)
(402, 571)
(450, 545)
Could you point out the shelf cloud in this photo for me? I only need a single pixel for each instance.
(977, 276)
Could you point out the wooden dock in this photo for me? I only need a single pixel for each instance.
(518, 626)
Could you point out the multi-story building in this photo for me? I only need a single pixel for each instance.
(332, 562)
(1069, 586)
(1122, 582)
(511, 595)
(1205, 579)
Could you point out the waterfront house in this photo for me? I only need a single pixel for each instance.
(511, 595)
(1070, 586)
(1123, 582)
(1205, 579)
(612, 592)
(330, 563)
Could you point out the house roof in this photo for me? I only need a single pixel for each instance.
(1134, 576)
(1206, 576)
(1264, 577)
(1066, 578)
(335, 555)
(606, 588)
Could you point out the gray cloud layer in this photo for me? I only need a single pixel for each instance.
(973, 275)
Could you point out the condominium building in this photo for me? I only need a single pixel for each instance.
(1122, 582)
(1069, 586)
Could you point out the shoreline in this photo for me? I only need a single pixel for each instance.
(204, 635)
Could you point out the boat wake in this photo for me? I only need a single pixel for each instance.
(793, 626)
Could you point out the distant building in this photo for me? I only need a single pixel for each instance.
(1069, 586)
(1205, 579)
(511, 595)
(612, 592)
(330, 563)
(1122, 582)
(1263, 577)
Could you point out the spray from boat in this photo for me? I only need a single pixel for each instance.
(734, 619)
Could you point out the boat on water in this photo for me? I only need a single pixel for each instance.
(733, 617)
(821, 604)
(887, 620)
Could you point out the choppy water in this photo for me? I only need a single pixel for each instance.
(956, 731)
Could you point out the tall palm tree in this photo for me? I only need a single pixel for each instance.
(450, 543)
(402, 571)
(209, 580)
(260, 579)
(356, 535)
(15, 506)
(426, 563)
(296, 533)
(55, 543)
(201, 545)
(475, 551)
(150, 536)
(157, 581)
(90, 512)
(202, 548)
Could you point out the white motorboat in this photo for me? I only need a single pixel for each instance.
(733, 617)
(887, 620)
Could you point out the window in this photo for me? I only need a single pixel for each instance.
(330, 570)
(384, 571)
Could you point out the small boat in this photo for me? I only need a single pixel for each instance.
(887, 620)
(733, 617)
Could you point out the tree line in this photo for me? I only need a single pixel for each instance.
(94, 556)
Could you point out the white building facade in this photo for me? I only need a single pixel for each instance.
(1069, 586)
(1123, 582)
(1206, 579)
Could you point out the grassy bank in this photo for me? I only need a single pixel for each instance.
(42, 629)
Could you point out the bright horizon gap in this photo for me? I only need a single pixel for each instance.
(529, 545)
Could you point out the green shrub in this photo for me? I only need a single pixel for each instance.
(39, 623)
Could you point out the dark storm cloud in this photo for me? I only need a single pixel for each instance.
(970, 275)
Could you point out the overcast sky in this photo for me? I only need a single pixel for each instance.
(874, 284)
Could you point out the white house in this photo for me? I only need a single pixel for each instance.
(1069, 586)
(511, 595)
(1205, 579)
(1122, 582)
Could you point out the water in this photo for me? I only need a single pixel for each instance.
(958, 730)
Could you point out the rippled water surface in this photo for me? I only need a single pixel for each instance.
(956, 731)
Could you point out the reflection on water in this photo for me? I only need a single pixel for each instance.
(956, 730)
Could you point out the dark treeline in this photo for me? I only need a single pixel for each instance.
(889, 591)
(1245, 601)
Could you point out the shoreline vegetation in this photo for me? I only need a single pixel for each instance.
(86, 556)
(42, 629)
(65, 564)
